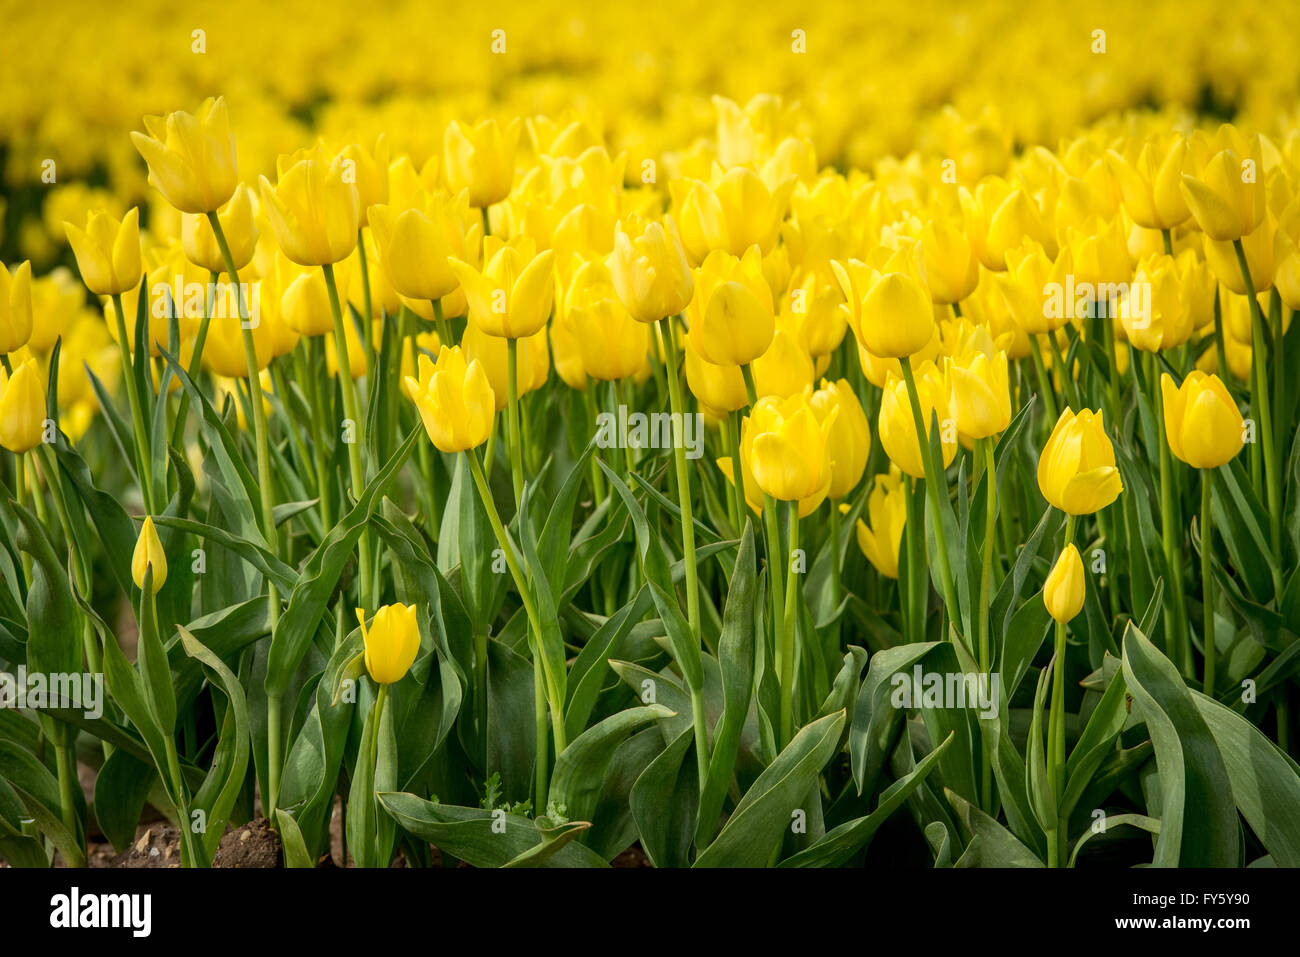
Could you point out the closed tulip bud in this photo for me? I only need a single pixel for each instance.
(314, 210)
(879, 539)
(720, 387)
(849, 439)
(1023, 289)
(1260, 249)
(611, 344)
(650, 270)
(149, 553)
(481, 159)
(15, 308)
(108, 252)
(1227, 196)
(1076, 470)
(790, 453)
(891, 314)
(731, 316)
(733, 212)
(981, 393)
(999, 218)
(305, 304)
(237, 219)
(392, 641)
(534, 361)
(896, 426)
(22, 408)
(785, 369)
(1099, 252)
(455, 400)
(1202, 422)
(1169, 322)
(1151, 183)
(191, 158)
(818, 311)
(947, 262)
(511, 296)
(1063, 592)
(369, 172)
(415, 244)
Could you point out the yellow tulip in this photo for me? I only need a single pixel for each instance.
(491, 352)
(731, 316)
(818, 311)
(1151, 182)
(391, 642)
(511, 296)
(57, 301)
(947, 262)
(649, 269)
(789, 453)
(455, 399)
(611, 344)
(191, 157)
(1260, 247)
(415, 243)
(108, 252)
(981, 393)
(1064, 590)
(849, 439)
(1170, 319)
(785, 369)
(998, 218)
(314, 210)
(719, 387)
(238, 224)
(897, 428)
(1286, 277)
(887, 512)
(891, 313)
(1202, 422)
(22, 408)
(369, 168)
(1226, 197)
(1076, 470)
(1099, 253)
(481, 159)
(733, 212)
(149, 553)
(15, 307)
(305, 304)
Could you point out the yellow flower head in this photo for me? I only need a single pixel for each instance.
(108, 252)
(191, 158)
(149, 553)
(511, 296)
(15, 307)
(649, 269)
(392, 641)
(789, 451)
(22, 408)
(1076, 470)
(1202, 422)
(314, 209)
(879, 537)
(481, 159)
(1064, 590)
(455, 399)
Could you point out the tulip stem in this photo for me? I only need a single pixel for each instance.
(786, 657)
(133, 399)
(986, 582)
(441, 324)
(933, 477)
(1056, 724)
(1207, 579)
(729, 452)
(1168, 241)
(367, 325)
(597, 476)
(678, 404)
(196, 360)
(514, 440)
(1044, 385)
(349, 390)
(1177, 641)
(1259, 390)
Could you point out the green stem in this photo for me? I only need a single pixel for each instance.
(986, 582)
(441, 324)
(1044, 384)
(1056, 717)
(1177, 643)
(933, 478)
(515, 438)
(673, 373)
(1207, 579)
(597, 476)
(67, 769)
(786, 657)
(137, 410)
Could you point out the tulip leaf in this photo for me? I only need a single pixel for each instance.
(121, 789)
(580, 770)
(664, 801)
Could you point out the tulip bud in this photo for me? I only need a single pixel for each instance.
(191, 158)
(108, 252)
(1076, 470)
(1202, 422)
(1225, 202)
(887, 511)
(981, 393)
(789, 454)
(511, 296)
(649, 269)
(481, 159)
(456, 402)
(22, 408)
(392, 641)
(238, 225)
(149, 553)
(720, 387)
(892, 315)
(947, 262)
(415, 244)
(314, 210)
(610, 343)
(731, 316)
(15, 308)
(1063, 592)
(849, 439)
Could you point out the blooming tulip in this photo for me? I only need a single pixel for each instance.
(1202, 422)
(1076, 470)
(391, 642)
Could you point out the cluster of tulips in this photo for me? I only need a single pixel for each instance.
(305, 429)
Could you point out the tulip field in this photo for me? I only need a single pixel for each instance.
(584, 435)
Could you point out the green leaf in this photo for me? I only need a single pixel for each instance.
(580, 770)
(121, 788)
(664, 800)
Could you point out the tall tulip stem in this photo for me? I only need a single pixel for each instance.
(514, 442)
(678, 408)
(787, 651)
(1207, 578)
(134, 400)
(1056, 724)
(986, 582)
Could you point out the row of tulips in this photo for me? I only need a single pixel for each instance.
(566, 645)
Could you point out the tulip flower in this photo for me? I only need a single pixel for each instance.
(1202, 423)
(1226, 197)
(734, 211)
(511, 296)
(15, 307)
(369, 168)
(785, 369)
(1169, 322)
(108, 252)
(849, 439)
(149, 554)
(896, 427)
(947, 262)
(731, 316)
(981, 394)
(891, 313)
(1076, 470)
(391, 642)
(238, 225)
(1063, 591)
(314, 210)
(650, 270)
(481, 159)
(191, 157)
(455, 399)
(789, 449)
(1151, 182)
(720, 387)
(879, 538)
(818, 312)
(610, 343)
(22, 408)
(416, 243)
